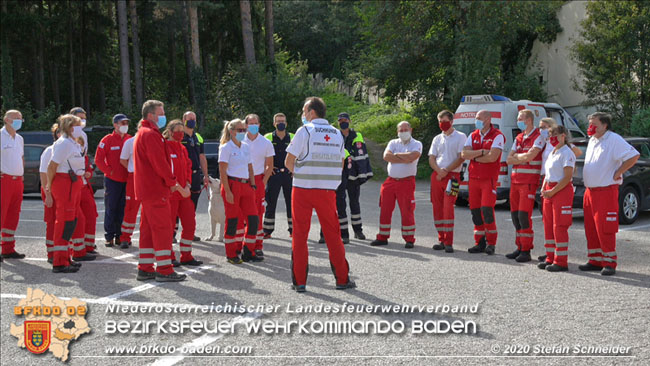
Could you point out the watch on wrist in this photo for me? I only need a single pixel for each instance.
(254, 186)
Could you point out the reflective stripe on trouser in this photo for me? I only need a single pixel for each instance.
(89, 209)
(341, 207)
(49, 217)
(279, 181)
(156, 236)
(12, 198)
(67, 195)
(324, 202)
(130, 211)
(402, 191)
(184, 209)
(601, 224)
(557, 216)
(260, 193)
(483, 196)
(522, 199)
(443, 207)
(243, 206)
(78, 246)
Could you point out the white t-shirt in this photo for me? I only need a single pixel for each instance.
(447, 149)
(46, 156)
(13, 149)
(237, 158)
(498, 142)
(260, 149)
(127, 153)
(538, 143)
(603, 157)
(557, 161)
(68, 154)
(403, 170)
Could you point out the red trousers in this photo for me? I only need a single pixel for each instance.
(242, 206)
(601, 224)
(443, 207)
(78, 246)
(130, 211)
(401, 190)
(49, 216)
(260, 193)
(324, 202)
(156, 236)
(522, 202)
(12, 197)
(184, 209)
(557, 220)
(482, 198)
(89, 209)
(67, 195)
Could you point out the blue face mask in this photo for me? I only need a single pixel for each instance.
(304, 120)
(521, 125)
(240, 136)
(190, 123)
(253, 129)
(479, 124)
(544, 134)
(17, 124)
(162, 121)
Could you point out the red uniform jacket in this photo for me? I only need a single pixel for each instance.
(152, 176)
(89, 169)
(181, 165)
(107, 157)
(527, 173)
(484, 170)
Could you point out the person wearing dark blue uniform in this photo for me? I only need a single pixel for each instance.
(281, 177)
(193, 142)
(356, 171)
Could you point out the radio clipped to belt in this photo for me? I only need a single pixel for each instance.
(452, 187)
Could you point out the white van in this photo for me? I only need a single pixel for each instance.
(504, 117)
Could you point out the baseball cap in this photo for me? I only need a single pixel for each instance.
(344, 115)
(120, 117)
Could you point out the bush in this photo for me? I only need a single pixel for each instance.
(640, 125)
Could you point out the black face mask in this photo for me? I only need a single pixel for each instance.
(281, 126)
(344, 125)
(190, 123)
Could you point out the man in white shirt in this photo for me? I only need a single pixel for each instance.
(12, 168)
(608, 157)
(262, 153)
(445, 160)
(402, 155)
(132, 205)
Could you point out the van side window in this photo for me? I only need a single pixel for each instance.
(576, 134)
(644, 150)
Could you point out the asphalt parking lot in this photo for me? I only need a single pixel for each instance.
(524, 313)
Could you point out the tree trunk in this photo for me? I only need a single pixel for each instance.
(247, 31)
(124, 53)
(172, 63)
(41, 60)
(194, 32)
(270, 42)
(188, 56)
(71, 55)
(82, 57)
(52, 66)
(139, 90)
(101, 92)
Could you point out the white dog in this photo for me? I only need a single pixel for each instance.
(216, 209)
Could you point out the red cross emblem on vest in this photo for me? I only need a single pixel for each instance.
(327, 138)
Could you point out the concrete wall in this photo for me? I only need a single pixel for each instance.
(558, 68)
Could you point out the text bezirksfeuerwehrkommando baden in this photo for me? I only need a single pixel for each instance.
(289, 308)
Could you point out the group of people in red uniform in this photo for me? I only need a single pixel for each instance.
(152, 170)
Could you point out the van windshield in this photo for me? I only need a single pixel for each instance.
(468, 128)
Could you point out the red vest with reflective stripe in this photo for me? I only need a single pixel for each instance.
(527, 173)
(484, 170)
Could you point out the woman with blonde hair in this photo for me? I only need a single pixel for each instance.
(181, 204)
(49, 209)
(64, 183)
(238, 191)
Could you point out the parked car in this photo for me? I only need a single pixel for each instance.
(211, 150)
(504, 117)
(35, 143)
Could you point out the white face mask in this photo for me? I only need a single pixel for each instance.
(404, 136)
(76, 131)
(124, 129)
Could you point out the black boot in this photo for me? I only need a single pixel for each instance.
(524, 256)
(514, 254)
(478, 248)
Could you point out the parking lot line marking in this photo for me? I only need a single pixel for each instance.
(26, 220)
(634, 227)
(202, 341)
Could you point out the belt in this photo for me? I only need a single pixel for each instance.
(13, 177)
(194, 171)
(405, 178)
(281, 170)
(603, 188)
(240, 180)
